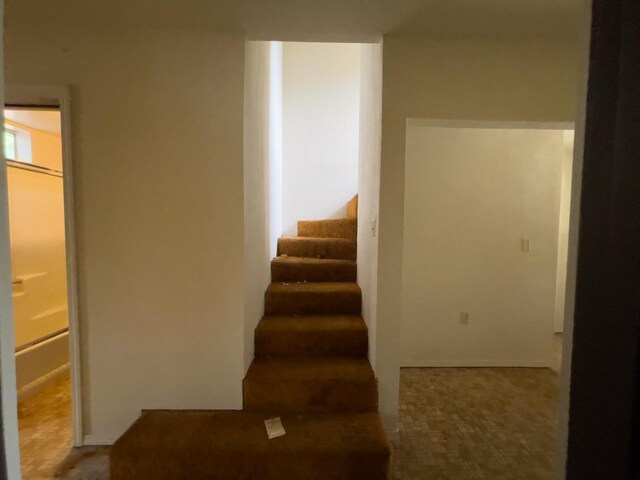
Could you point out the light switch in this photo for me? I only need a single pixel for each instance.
(464, 318)
(525, 245)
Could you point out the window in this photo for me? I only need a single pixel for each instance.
(10, 144)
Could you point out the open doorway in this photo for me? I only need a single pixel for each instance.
(483, 299)
(42, 284)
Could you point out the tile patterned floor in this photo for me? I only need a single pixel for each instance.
(455, 424)
(469, 423)
(45, 439)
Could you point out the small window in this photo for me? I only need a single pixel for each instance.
(10, 144)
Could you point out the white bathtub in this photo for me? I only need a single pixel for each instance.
(40, 364)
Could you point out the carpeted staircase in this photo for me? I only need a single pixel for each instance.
(310, 369)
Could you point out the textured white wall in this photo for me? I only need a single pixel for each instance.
(159, 213)
(471, 196)
(321, 108)
(452, 79)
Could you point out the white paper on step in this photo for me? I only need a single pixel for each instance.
(274, 427)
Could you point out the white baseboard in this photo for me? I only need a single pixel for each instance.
(426, 363)
(97, 441)
(38, 385)
(393, 435)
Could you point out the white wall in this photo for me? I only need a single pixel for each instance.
(369, 184)
(275, 145)
(563, 232)
(471, 196)
(158, 210)
(257, 256)
(321, 106)
(524, 80)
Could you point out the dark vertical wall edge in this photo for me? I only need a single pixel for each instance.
(603, 410)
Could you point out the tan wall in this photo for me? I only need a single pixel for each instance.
(452, 79)
(158, 210)
(471, 196)
(36, 215)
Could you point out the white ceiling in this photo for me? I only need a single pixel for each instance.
(338, 20)
(45, 120)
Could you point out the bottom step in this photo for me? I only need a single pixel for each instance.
(233, 445)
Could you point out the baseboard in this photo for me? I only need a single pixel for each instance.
(97, 441)
(393, 435)
(32, 389)
(417, 363)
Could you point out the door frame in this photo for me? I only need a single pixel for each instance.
(58, 96)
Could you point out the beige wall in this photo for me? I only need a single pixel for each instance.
(320, 116)
(452, 79)
(369, 184)
(36, 216)
(471, 196)
(158, 209)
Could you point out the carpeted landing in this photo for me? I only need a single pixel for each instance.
(310, 369)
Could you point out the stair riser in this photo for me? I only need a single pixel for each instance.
(253, 465)
(307, 303)
(340, 249)
(338, 228)
(310, 344)
(318, 397)
(313, 273)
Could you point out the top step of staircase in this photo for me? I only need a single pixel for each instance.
(331, 228)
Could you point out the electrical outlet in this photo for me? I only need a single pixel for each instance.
(373, 227)
(464, 318)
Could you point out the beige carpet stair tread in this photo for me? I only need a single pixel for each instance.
(311, 370)
(313, 298)
(312, 323)
(294, 269)
(311, 335)
(225, 445)
(330, 228)
(314, 247)
(336, 384)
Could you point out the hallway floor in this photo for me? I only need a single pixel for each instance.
(458, 424)
(472, 423)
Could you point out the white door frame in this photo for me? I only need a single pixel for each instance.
(59, 96)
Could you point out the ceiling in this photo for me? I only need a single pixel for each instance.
(44, 120)
(337, 20)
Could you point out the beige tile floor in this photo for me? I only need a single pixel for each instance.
(455, 424)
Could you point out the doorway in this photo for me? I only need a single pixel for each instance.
(42, 247)
(483, 297)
